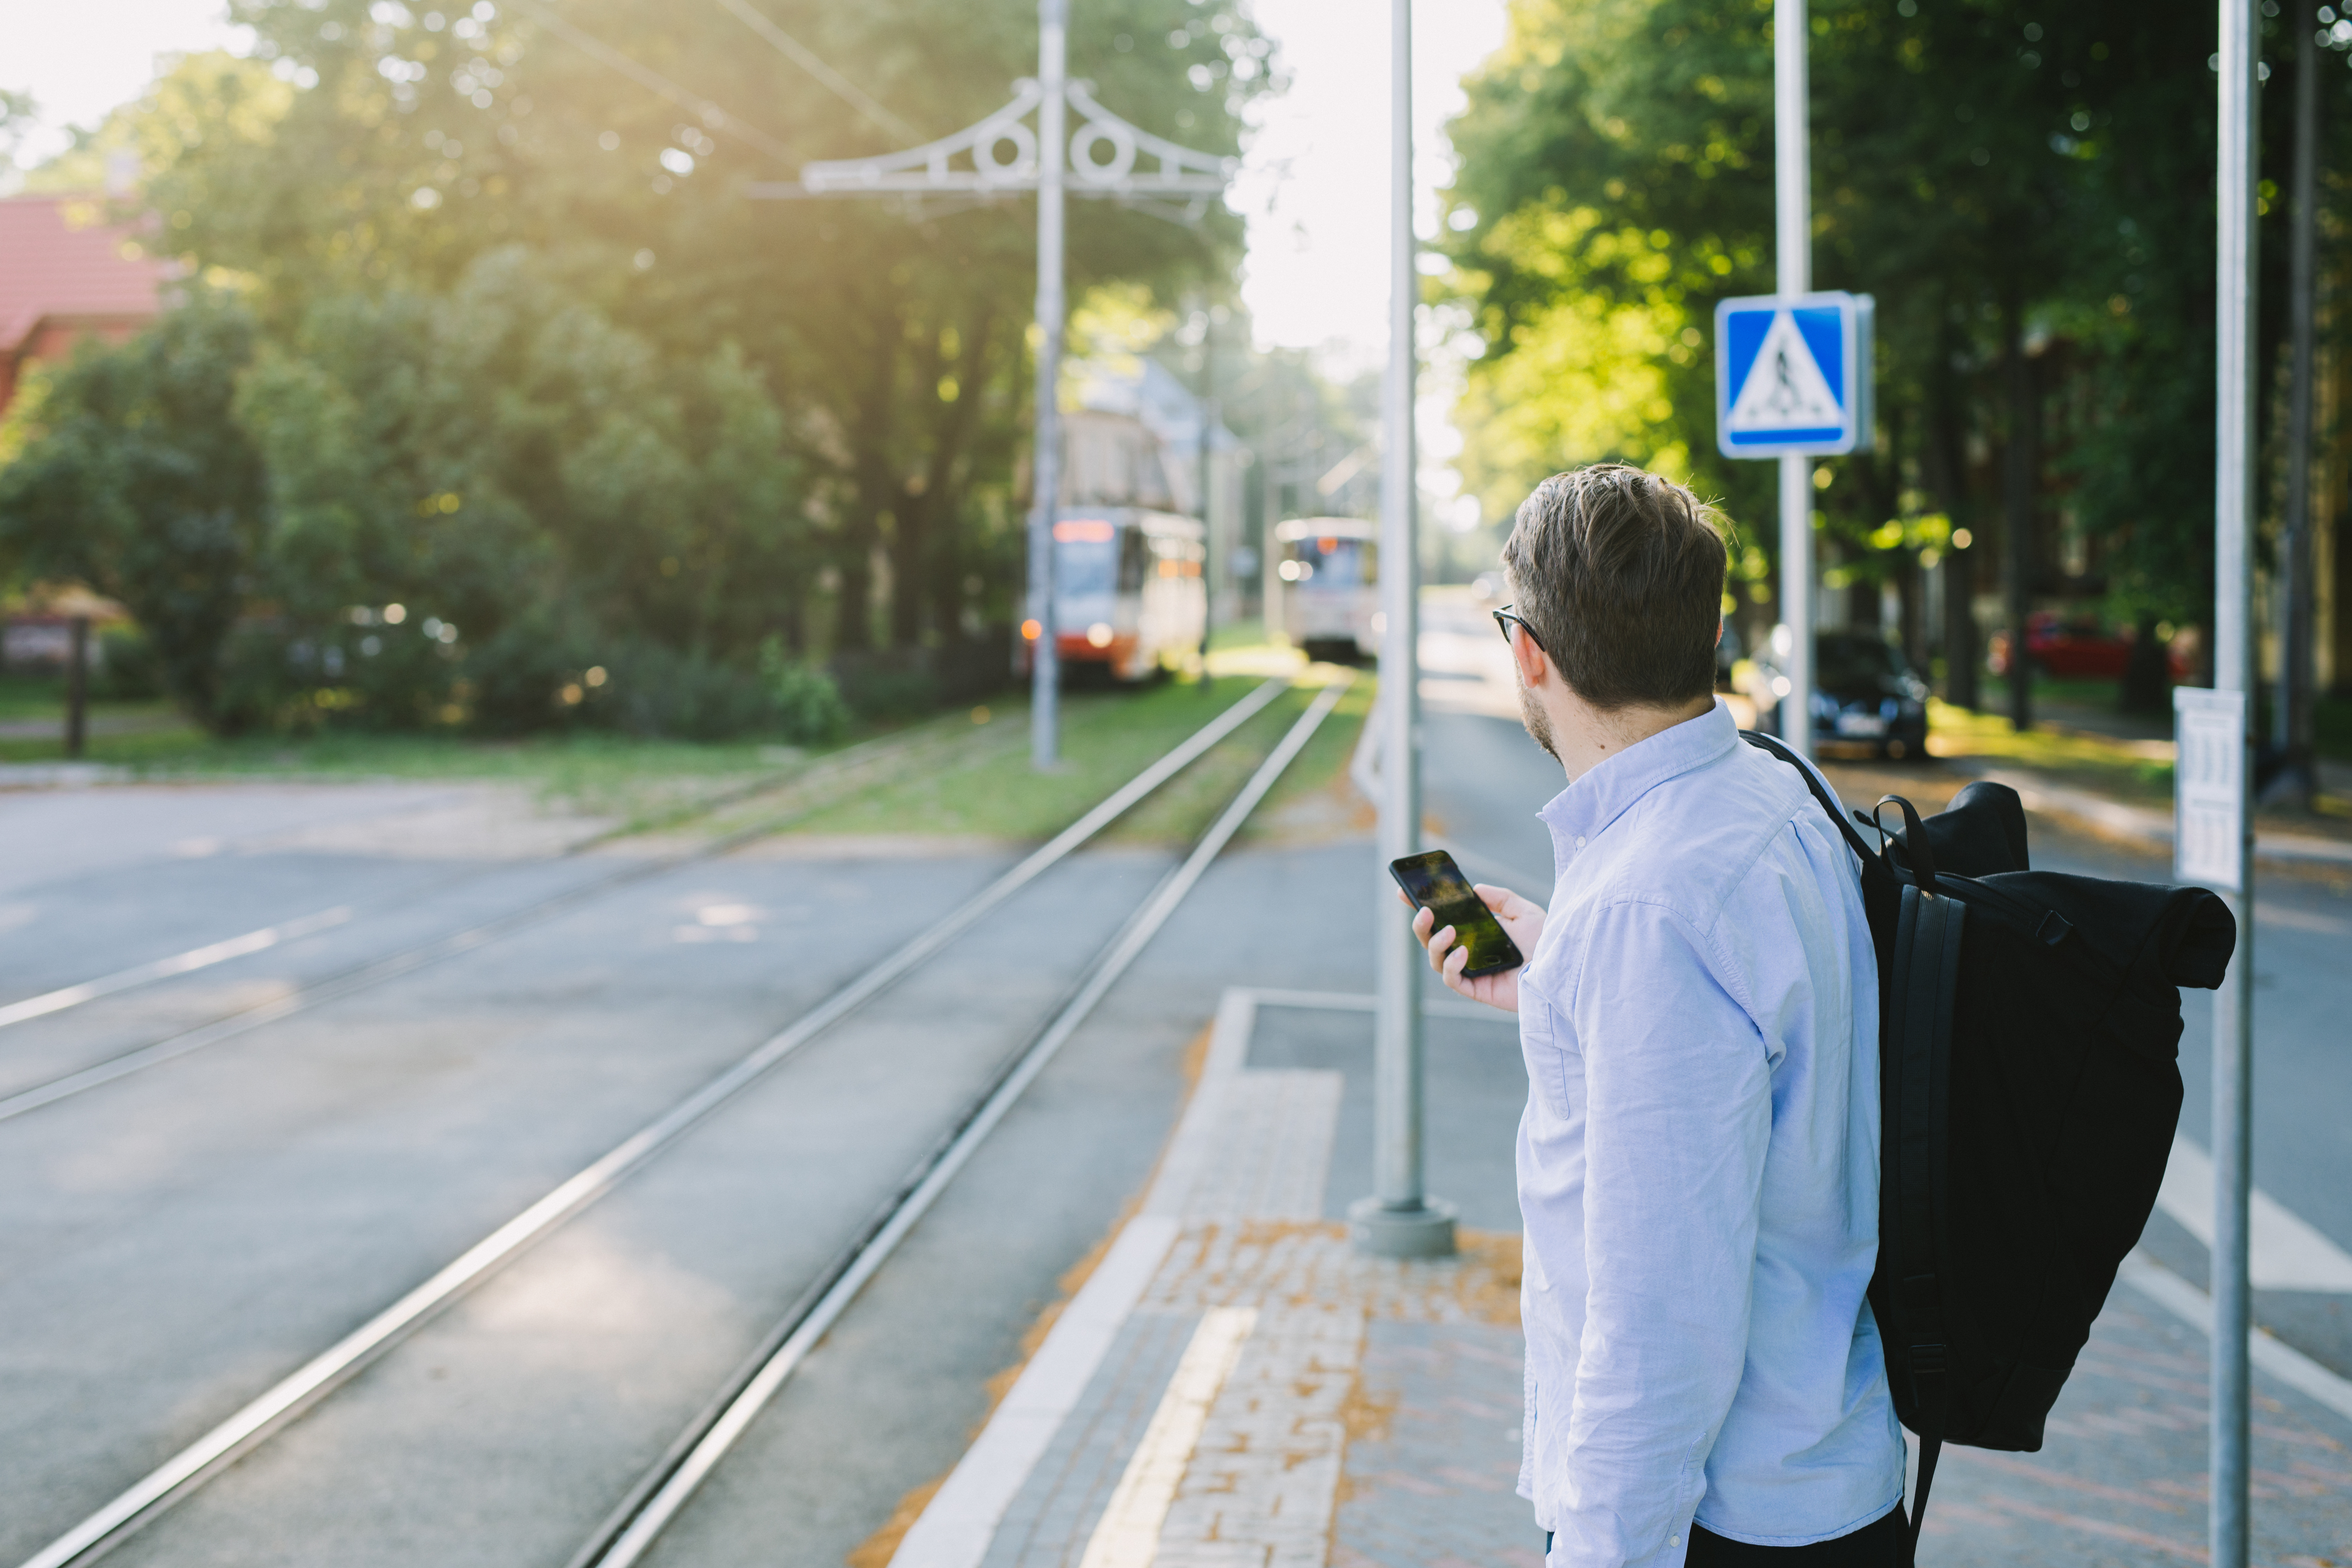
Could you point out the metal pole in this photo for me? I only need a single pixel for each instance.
(1045, 466)
(1793, 208)
(2017, 524)
(1399, 1220)
(2233, 497)
(1208, 508)
(2293, 710)
(77, 686)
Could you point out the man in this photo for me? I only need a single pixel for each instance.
(1698, 1159)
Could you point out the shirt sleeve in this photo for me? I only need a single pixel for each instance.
(1678, 1115)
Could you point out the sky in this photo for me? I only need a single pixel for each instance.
(1317, 274)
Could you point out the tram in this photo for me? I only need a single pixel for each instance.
(1329, 569)
(1127, 591)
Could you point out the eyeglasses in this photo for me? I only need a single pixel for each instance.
(1505, 619)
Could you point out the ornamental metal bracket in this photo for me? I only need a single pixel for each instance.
(1107, 159)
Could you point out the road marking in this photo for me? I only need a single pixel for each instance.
(186, 962)
(956, 1527)
(2266, 1351)
(1129, 1533)
(2287, 1253)
(319, 1376)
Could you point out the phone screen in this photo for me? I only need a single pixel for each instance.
(1433, 882)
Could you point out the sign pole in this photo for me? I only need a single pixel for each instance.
(2231, 823)
(1045, 465)
(1399, 1220)
(1792, 200)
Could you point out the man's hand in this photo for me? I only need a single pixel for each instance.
(1523, 923)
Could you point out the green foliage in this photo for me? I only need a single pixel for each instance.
(128, 670)
(1981, 172)
(519, 358)
(518, 472)
(135, 477)
(808, 702)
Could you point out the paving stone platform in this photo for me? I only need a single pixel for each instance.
(1233, 1387)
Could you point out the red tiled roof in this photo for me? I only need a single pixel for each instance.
(50, 266)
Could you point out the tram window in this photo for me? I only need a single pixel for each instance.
(1134, 561)
(1084, 567)
(1339, 563)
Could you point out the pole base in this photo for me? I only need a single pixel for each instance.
(1379, 1231)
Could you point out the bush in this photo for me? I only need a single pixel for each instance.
(127, 669)
(808, 705)
(273, 675)
(650, 690)
(515, 679)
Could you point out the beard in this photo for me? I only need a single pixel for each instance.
(1531, 714)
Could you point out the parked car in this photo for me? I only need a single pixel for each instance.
(2077, 647)
(1864, 693)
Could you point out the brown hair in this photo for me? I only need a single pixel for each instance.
(1620, 575)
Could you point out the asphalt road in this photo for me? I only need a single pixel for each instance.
(172, 1242)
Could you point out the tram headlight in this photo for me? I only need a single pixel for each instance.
(1288, 572)
(1098, 635)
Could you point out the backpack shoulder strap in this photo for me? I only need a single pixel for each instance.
(1853, 837)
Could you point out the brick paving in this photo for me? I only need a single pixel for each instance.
(1370, 1416)
(2121, 1475)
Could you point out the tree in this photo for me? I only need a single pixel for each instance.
(133, 475)
(896, 344)
(2028, 195)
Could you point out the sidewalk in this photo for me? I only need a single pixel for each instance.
(2144, 825)
(1232, 1387)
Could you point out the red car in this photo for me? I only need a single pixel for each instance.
(2077, 648)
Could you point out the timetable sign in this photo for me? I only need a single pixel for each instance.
(1792, 375)
(2209, 788)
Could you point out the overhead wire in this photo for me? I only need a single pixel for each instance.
(711, 114)
(841, 86)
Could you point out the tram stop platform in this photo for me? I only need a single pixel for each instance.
(1232, 1386)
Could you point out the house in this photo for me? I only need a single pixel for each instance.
(65, 275)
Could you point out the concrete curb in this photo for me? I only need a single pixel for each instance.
(60, 775)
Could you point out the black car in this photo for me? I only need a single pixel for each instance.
(1864, 693)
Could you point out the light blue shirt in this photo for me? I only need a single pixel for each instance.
(1698, 1165)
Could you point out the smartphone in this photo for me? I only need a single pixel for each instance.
(1433, 882)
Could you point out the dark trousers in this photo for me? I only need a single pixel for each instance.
(1878, 1544)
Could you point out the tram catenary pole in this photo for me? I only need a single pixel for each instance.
(1046, 464)
(966, 166)
(2233, 672)
(1399, 1220)
(1793, 228)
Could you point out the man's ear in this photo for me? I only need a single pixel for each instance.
(1535, 666)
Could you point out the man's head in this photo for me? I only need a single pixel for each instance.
(1617, 575)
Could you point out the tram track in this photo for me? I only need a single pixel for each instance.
(665, 1490)
(289, 1399)
(845, 768)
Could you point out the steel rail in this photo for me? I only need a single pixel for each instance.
(376, 971)
(178, 963)
(291, 1395)
(664, 1491)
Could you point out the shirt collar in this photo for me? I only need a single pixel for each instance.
(1589, 804)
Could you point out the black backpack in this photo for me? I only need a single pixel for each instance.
(2029, 1032)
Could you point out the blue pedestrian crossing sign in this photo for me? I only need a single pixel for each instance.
(1792, 373)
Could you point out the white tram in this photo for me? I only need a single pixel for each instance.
(1127, 591)
(1329, 572)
